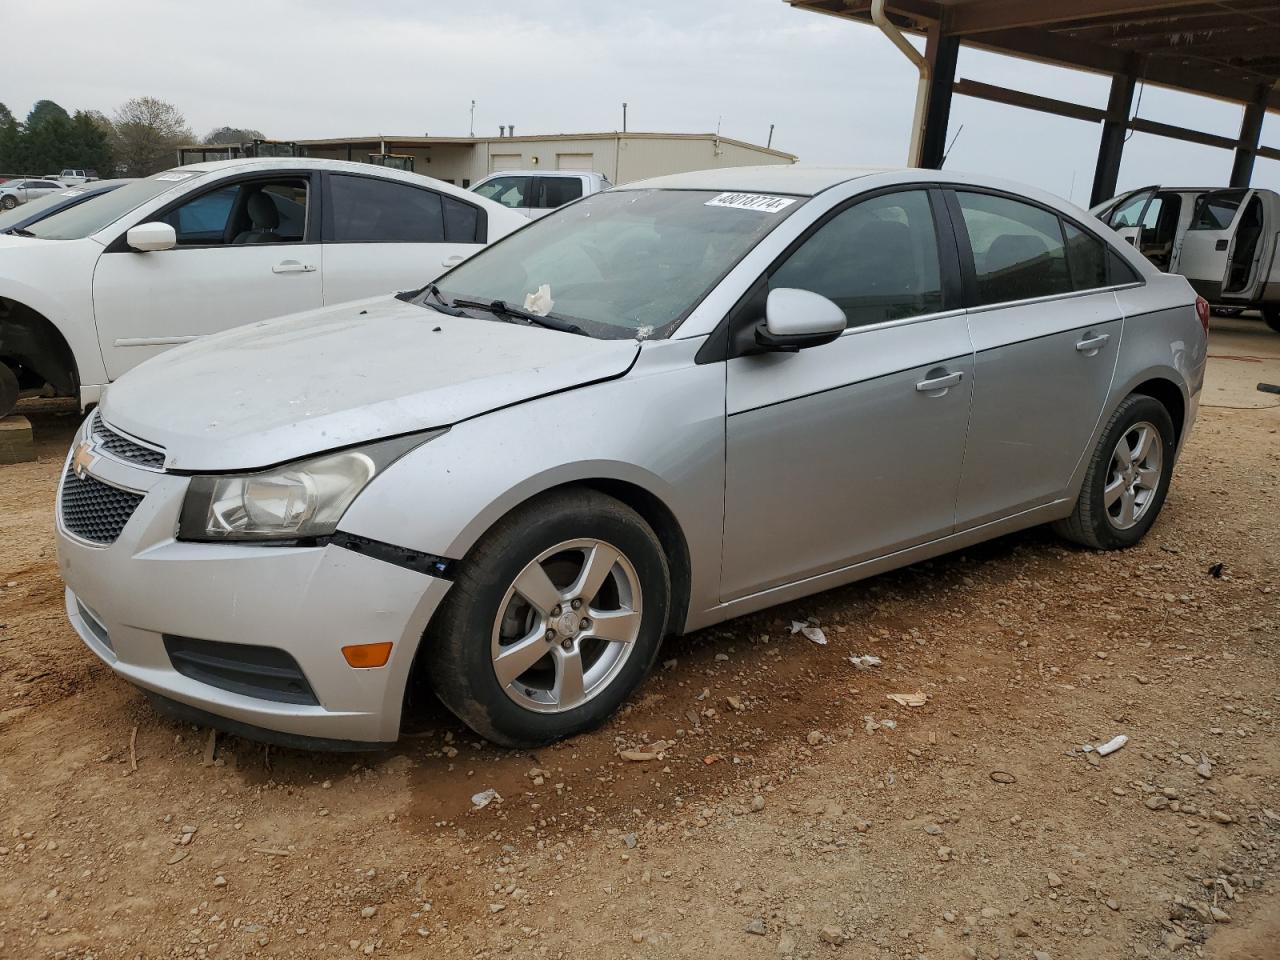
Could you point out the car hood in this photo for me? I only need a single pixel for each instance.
(286, 388)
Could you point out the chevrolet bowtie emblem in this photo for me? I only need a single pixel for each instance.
(82, 459)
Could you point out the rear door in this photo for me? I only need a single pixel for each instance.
(228, 268)
(1250, 249)
(1203, 257)
(383, 235)
(1046, 333)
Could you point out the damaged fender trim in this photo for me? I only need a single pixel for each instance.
(439, 567)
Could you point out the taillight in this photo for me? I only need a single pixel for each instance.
(1202, 311)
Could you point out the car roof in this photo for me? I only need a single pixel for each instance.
(544, 173)
(772, 178)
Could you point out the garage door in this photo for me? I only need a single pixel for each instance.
(574, 161)
(505, 161)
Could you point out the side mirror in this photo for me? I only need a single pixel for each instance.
(149, 237)
(795, 319)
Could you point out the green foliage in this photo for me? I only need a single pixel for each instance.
(52, 140)
(233, 135)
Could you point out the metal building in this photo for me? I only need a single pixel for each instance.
(1228, 50)
(621, 157)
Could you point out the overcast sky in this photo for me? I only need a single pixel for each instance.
(837, 91)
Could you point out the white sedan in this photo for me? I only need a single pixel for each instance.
(92, 291)
(14, 192)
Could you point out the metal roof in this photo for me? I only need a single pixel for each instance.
(1226, 49)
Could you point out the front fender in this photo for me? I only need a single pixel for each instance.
(54, 278)
(660, 428)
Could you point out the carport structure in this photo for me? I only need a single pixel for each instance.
(1228, 50)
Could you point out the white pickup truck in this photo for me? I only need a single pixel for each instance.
(535, 193)
(73, 177)
(1225, 241)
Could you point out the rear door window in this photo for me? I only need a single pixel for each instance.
(557, 191)
(1018, 249)
(372, 210)
(1087, 258)
(462, 221)
(1216, 211)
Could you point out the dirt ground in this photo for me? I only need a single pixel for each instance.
(791, 808)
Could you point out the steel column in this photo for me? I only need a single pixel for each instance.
(941, 51)
(1250, 134)
(1111, 145)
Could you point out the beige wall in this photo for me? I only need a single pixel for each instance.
(621, 158)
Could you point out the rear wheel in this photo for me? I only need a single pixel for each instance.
(1128, 477)
(556, 616)
(8, 390)
(1271, 316)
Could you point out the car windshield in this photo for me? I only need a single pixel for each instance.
(623, 263)
(85, 219)
(33, 207)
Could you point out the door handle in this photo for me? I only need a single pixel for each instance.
(1092, 345)
(937, 386)
(292, 266)
(453, 261)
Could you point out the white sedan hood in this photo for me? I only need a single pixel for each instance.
(286, 388)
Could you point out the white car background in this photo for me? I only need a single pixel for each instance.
(91, 292)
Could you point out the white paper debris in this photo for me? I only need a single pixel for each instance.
(1111, 746)
(810, 632)
(865, 662)
(645, 332)
(539, 302)
(485, 797)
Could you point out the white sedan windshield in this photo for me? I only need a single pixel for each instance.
(91, 216)
(623, 262)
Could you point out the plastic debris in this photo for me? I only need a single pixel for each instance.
(485, 797)
(917, 699)
(539, 302)
(1112, 745)
(810, 632)
(865, 662)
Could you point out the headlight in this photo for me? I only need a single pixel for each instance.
(298, 500)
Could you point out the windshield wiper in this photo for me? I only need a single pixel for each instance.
(445, 306)
(20, 232)
(504, 309)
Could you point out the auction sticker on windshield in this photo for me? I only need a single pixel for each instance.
(751, 201)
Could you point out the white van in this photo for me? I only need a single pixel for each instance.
(1224, 241)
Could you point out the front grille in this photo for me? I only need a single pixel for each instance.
(94, 510)
(122, 448)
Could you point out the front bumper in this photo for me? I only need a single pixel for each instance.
(125, 597)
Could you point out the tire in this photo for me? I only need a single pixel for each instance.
(8, 202)
(1127, 518)
(484, 620)
(1271, 316)
(8, 390)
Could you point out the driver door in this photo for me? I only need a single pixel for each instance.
(852, 450)
(228, 268)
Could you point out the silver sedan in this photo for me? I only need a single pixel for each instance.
(660, 407)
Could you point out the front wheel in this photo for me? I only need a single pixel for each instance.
(1271, 316)
(555, 617)
(8, 390)
(1128, 477)
(8, 202)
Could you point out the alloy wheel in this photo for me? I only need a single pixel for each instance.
(1133, 476)
(566, 626)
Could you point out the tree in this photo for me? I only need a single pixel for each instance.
(147, 135)
(43, 112)
(6, 116)
(233, 135)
